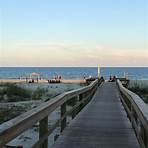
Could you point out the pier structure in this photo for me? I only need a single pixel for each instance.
(105, 115)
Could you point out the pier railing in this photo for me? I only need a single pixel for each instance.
(76, 98)
(137, 112)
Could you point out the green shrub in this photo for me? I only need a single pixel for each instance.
(9, 113)
(17, 91)
(14, 93)
(141, 90)
(38, 93)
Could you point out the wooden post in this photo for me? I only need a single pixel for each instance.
(63, 121)
(132, 116)
(80, 99)
(92, 92)
(74, 112)
(43, 129)
(146, 137)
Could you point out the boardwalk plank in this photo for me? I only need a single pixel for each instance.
(103, 123)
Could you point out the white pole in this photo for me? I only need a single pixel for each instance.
(99, 71)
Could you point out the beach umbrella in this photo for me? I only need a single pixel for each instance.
(34, 74)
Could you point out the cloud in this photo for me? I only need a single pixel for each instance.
(71, 54)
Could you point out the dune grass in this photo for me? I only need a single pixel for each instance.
(12, 93)
(140, 89)
(9, 113)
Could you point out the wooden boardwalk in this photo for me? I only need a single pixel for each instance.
(103, 123)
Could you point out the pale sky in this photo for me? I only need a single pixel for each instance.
(73, 33)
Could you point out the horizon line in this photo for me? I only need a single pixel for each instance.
(73, 66)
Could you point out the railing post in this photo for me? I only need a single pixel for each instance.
(43, 129)
(132, 117)
(63, 120)
(143, 136)
(146, 137)
(74, 112)
(80, 99)
(89, 94)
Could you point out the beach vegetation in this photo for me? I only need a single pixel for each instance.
(39, 93)
(9, 113)
(140, 89)
(13, 93)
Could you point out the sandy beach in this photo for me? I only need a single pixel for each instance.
(65, 81)
(20, 81)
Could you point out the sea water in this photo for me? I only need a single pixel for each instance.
(134, 73)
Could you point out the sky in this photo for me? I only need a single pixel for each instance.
(73, 33)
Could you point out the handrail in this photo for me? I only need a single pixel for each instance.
(137, 112)
(11, 129)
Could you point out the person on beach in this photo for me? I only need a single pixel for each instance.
(110, 78)
(114, 78)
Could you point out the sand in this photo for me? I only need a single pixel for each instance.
(65, 81)
(20, 81)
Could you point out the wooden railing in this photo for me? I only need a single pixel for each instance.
(137, 112)
(76, 98)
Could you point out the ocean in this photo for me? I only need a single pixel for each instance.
(134, 73)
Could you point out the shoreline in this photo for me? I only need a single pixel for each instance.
(64, 81)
